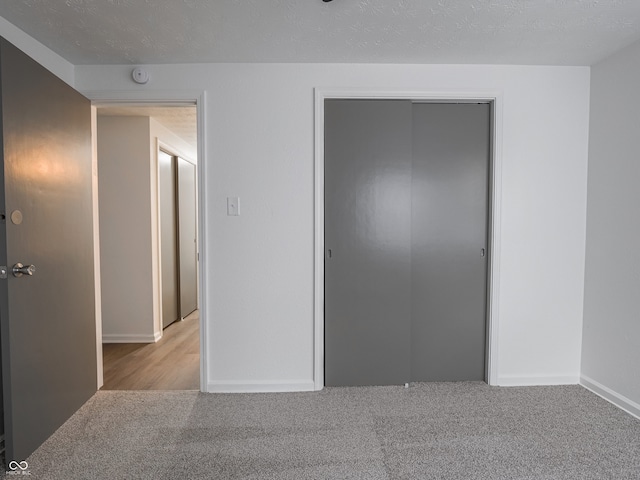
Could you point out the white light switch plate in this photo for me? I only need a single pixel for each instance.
(233, 206)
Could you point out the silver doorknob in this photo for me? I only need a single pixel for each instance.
(20, 269)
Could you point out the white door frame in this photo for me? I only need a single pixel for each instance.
(178, 97)
(495, 196)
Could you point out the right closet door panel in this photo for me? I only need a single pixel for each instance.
(187, 233)
(449, 216)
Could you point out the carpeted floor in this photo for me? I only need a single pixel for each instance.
(428, 431)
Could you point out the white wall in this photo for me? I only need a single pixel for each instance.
(611, 340)
(125, 229)
(36, 50)
(259, 267)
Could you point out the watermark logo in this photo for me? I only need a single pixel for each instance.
(18, 468)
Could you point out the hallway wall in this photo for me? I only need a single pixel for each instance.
(124, 186)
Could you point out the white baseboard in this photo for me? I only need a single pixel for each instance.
(260, 387)
(611, 396)
(131, 338)
(536, 380)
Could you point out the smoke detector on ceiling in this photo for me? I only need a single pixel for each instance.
(140, 75)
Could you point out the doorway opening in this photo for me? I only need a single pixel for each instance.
(147, 158)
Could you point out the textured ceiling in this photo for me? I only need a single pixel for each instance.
(180, 120)
(553, 32)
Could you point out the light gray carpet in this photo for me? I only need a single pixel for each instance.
(428, 431)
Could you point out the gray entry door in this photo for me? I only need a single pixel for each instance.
(406, 201)
(48, 319)
(168, 238)
(448, 237)
(187, 237)
(367, 240)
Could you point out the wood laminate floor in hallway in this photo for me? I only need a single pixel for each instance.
(173, 363)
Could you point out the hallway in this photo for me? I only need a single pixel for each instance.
(173, 363)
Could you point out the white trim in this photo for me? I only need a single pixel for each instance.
(203, 202)
(611, 396)
(495, 97)
(143, 97)
(232, 386)
(495, 235)
(179, 97)
(536, 380)
(96, 245)
(157, 240)
(318, 252)
(131, 338)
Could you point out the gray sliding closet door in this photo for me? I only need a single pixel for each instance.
(187, 237)
(406, 214)
(451, 147)
(368, 242)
